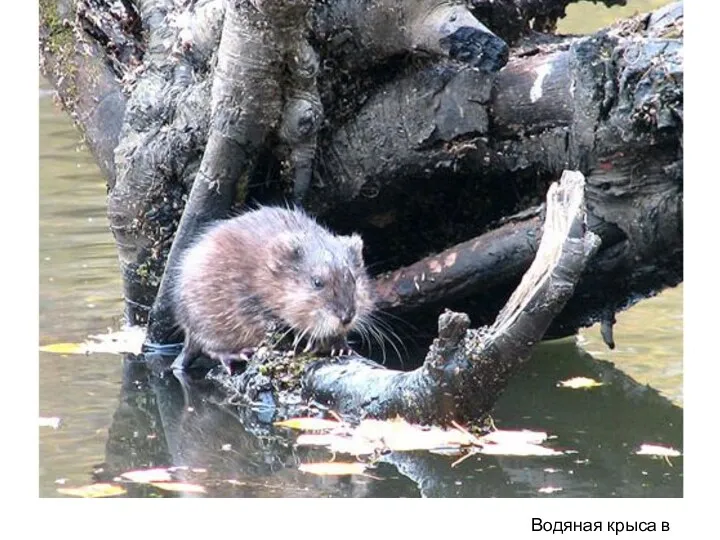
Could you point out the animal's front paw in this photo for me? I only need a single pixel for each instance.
(343, 351)
(339, 347)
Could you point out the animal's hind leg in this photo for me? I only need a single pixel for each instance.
(228, 359)
(191, 351)
(184, 361)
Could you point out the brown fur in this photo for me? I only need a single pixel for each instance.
(270, 265)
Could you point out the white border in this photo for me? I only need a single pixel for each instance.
(446, 518)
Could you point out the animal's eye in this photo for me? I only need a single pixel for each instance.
(318, 283)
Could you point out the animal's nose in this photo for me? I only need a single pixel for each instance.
(347, 316)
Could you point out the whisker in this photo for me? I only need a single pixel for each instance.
(364, 336)
(384, 313)
(385, 331)
(285, 334)
(389, 328)
(377, 335)
(364, 331)
(298, 339)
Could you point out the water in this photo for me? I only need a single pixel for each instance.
(115, 418)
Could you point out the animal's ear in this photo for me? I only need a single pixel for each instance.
(288, 248)
(355, 245)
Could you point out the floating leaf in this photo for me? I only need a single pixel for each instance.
(338, 444)
(94, 491)
(657, 450)
(127, 340)
(148, 476)
(516, 443)
(509, 437)
(53, 422)
(308, 424)
(521, 449)
(179, 486)
(399, 435)
(549, 489)
(65, 348)
(334, 468)
(579, 382)
(373, 436)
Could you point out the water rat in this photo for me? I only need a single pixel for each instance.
(269, 265)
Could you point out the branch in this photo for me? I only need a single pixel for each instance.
(466, 370)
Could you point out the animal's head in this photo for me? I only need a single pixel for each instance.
(323, 288)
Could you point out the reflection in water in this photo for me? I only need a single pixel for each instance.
(648, 341)
(598, 430)
(117, 417)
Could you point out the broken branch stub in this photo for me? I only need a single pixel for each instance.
(466, 369)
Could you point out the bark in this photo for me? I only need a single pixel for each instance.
(73, 47)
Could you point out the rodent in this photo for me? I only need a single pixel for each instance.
(269, 265)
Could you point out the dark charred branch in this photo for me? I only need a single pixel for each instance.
(366, 32)
(474, 276)
(483, 262)
(560, 106)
